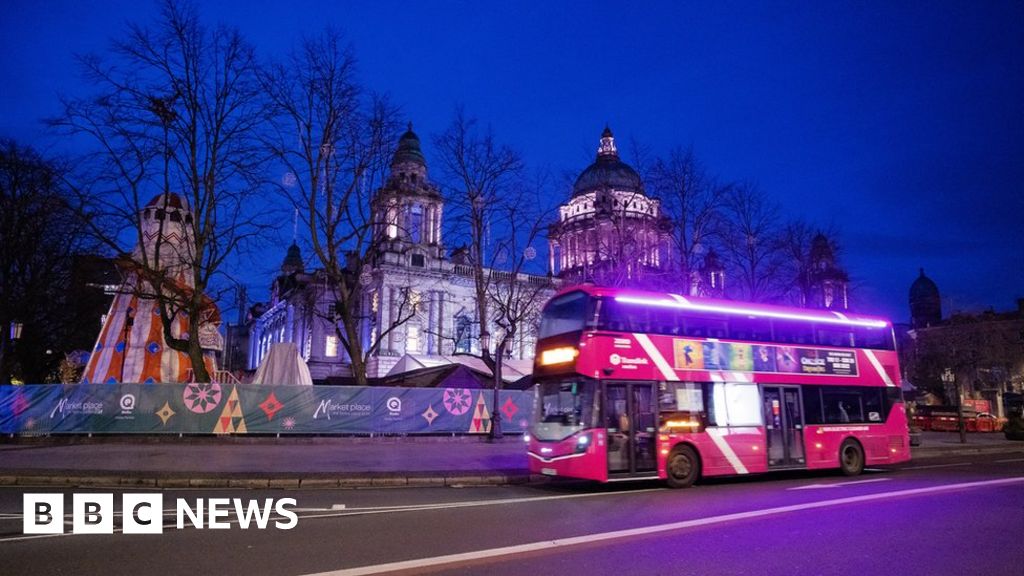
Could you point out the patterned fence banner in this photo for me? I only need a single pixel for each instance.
(243, 409)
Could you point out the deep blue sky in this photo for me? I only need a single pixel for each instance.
(902, 125)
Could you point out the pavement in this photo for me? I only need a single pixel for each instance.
(316, 462)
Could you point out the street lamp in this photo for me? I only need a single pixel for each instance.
(16, 328)
(14, 333)
(949, 378)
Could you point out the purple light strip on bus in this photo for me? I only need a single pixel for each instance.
(687, 305)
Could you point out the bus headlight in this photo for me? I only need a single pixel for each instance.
(582, 443)
(526, 437)
(558, 355)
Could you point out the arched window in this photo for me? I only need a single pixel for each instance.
(463, 334)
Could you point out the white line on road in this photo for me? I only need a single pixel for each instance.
(660, 528)
(336, 512)
(1011, 460)
(937, 466)
(839, 484)
(472, 503)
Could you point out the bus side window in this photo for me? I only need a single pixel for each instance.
(792, 332)
(812, 405)
(706, 328)
(842, 406)
(876, 338)
(839, 337)
(756, 329)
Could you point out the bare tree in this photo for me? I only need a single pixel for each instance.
(334, 139)
(176, 111)
(693, 200)
(39, 236)
(498, 214)
(751, 244)
(515, 297)
(798, 239)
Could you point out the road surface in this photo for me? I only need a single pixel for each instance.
(955, 515)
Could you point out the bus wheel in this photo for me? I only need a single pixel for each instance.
(851, 458)
(683, 467)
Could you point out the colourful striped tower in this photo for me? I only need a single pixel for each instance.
(131, 345)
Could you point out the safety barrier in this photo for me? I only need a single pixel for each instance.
(230, 408)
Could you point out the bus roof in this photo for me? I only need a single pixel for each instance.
(727, 307)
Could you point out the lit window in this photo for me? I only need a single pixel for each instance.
(736, 404)
(463, 334)
(331, 346)
(416, 223)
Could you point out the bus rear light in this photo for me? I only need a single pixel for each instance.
(664, 451)
(817, 445)
(558, 355)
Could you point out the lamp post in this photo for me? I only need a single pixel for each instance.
(485, 345)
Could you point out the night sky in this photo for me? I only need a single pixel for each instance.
(902, 127)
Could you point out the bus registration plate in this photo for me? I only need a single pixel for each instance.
(549, 471)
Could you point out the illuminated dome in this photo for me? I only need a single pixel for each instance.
(608, 171)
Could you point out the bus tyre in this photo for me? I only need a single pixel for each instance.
(683, 467)
(851, 457)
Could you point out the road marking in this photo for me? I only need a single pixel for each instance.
(1011, 460)
(343, 511)
(937, 466)
(471, 503)
(657, 529)
(838, 484)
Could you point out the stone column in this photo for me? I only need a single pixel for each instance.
(431, 320)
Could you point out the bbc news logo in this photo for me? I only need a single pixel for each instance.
(144, 514)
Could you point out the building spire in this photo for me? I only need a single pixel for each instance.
(607, 147)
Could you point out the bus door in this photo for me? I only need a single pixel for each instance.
(630, 420)
(784, 424)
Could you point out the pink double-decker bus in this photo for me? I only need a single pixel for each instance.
(637, 385)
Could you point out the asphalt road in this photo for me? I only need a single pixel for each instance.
(959, 515)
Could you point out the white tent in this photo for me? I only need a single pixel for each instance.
(511, 370)
(283, 366)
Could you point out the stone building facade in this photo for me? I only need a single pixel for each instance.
(610, 231)
(981, 355)
(418, 300)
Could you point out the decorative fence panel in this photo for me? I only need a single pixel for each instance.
(256, 409)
